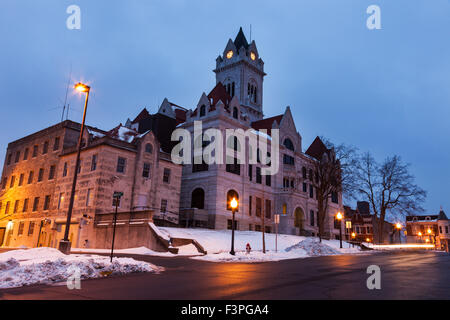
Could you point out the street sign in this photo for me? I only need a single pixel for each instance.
(277, 218)
(118, 194)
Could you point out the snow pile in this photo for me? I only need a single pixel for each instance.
(313, 247)
(47, 265)
(187, 250)
(217, 244)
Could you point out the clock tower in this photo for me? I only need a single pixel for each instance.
(241, 71)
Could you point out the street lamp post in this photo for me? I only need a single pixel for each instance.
(398, 226)
(339, 216)
(64, 244)
(233, 205)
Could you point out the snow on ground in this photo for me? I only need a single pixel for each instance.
(48, 265)
(187, 250)
(217, 244)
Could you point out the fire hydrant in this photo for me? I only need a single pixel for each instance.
(248, 248)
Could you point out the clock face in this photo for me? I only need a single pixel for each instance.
(252, 55)
(230, 54)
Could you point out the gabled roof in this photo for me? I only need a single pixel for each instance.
(219, 93)
(141, 116)
(442, 215)
(266, 123)
(316, 149)
(122, 133)
(240, 40)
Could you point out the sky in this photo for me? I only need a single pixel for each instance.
(386, 91)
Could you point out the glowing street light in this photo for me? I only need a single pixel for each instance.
(234, 205)
(353, 235)
(339, 216)
(399, 227)
(64, 244)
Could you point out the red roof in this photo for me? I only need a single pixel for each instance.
(219, 93)
(266, 123)
(141, 116)
(316, 149)
(180, 116)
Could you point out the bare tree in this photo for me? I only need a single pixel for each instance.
(388, 187)
(333, 174)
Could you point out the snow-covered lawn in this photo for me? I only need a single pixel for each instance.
(47, 266)
(217, 244)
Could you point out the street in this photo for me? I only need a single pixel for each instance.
(404, 275)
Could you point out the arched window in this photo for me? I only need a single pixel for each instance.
(304, 173)
(235, 112)
(202, 110)
(230, 195)
(284, 212)
(288, 144)
(198, 199)
(299, 217)
(148, 148)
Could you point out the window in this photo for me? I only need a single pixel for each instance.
(148, 148)
(311, 191)
(311, 217)
(41, 174)
(268, 208)
(30, 177)
(235, 112)
(146, 170)
(258, 175)
(21, 179)
(258, 228)
(35, 151)
(166, 175)
(94, 162)
(35, 204)
(56, 144)
(31, 228)
(163, 208)
(65, 169)
(25, 154)
(115, 201)
(446, 229)
(258, 207)
(311, 175)
(202, 110)
(47, 203)
(334, 197)
(45, 148)
(288, 144)
(303, 172)
(268, 180)
(440, 229)
(288, 160)
(51, 174)
(7, 207)
(5, 181)
(337, 224)
(121, 162)
(13, 179)
(17, 157)
(234, 167)
(25, 205)
(198, 199)
(284, 209)
(8, 162)
(60, 200)
(79, 166)
(250, 172)
(230, 195)
(21, 227)
(250, 205)
(268, 229)
(89, 197)
(16, 206)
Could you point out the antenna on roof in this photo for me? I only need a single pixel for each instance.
(250, 33)
(65, 100)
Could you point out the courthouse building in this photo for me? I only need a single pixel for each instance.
(135, 159)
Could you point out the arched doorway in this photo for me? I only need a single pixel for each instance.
(198, 199)
(299, 217)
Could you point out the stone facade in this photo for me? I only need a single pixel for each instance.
(33, 212)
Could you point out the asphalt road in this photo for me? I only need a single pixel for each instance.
(404, 275)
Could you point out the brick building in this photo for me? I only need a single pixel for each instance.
(433, 229)
(37, 179)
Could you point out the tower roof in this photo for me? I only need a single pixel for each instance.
(316, 149)
(241, 40)
(442, 215)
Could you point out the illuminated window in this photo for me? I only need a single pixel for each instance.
(230, 54)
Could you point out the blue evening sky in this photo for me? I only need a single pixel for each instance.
(386, 91)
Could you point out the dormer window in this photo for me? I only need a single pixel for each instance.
(202, 110)
(235, 112)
